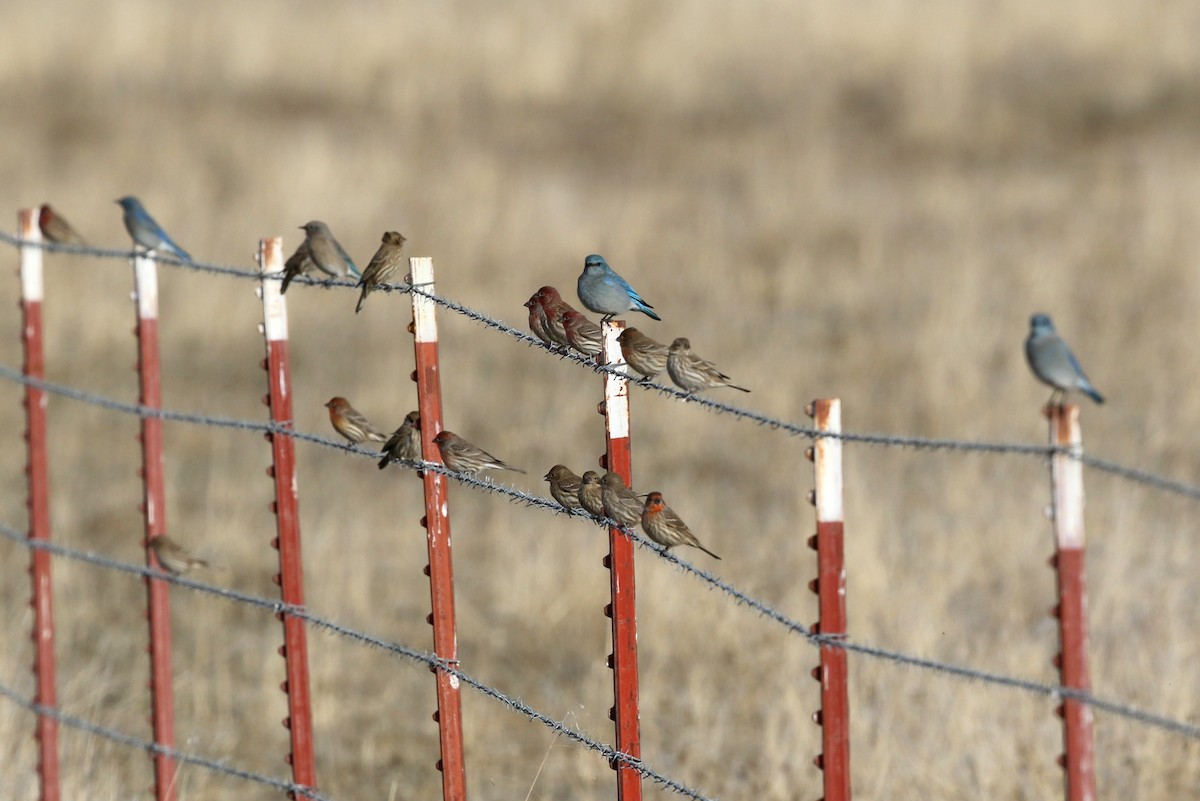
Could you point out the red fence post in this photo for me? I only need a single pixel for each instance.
(437, 524)
(1066, 481)
(37, 469)
(830, 586)
(290, 577)
(153, 509)
(623, 606)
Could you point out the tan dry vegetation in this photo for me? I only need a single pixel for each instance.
(864, 200)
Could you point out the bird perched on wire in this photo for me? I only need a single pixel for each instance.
(537, 318)
(383, 265)
(692, 373)
(173, 557)
(145, 231)
(642, 353)
(351, 424)
(1053, 362)
(463, 457)
(326, 253)
(605, 292)
(620, 503)
(582, 334)
(662, 525)
(591, 494)
(405, 442)
(555, 309)
(55, 227)
(299, 263)
(564, 486)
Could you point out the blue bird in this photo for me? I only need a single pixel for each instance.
(145, 231)
(326, 252)
(1053, 362)
(605, 292)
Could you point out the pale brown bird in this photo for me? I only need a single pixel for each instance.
(55, 227)
(383, 265)
(692, 373)
(564, 486)
(582, 334)
(173, 557)
(463, 457)
(590, 493)
(352, 425)
(620, 503)
(642, 353)
(404, 443)
(662, 525)
(299, 263)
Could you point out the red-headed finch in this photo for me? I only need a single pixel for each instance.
(564, 486)
(642, 353)
(692, 373)
(55, 227)
(537, 318)
(404, 443)
(299, 263)
(463, 457)
(348, 422)
(662, 525)
(173, 557)
(591, 495)
(582, 334)
(555, 309)
(620, 503)
(383, 265)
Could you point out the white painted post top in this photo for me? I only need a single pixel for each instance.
(32, 287)
(424, 320)
(145, 285)
(616, 387)
(270, 260)
(829, 465)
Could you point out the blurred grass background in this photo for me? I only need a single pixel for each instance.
(857, 200)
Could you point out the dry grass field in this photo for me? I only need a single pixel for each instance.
(863, 200)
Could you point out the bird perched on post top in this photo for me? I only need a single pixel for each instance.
(55, 227)
(1053, 362)
(642, 353)
(463, 457)
(350, 423)
(325, 251)
(692, 373)
(405, 442)
(662, 525)
(145, 231)
(383, 265)
(173, 557)
(605, 292)
(564, 486)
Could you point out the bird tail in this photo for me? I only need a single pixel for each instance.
(1091, 392)
(287, 279)
(743, 389)
(514, 469)
(648, 310)
(387, 458)
(361, 299)
(710, 553)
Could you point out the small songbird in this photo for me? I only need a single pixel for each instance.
(325, 251)
(555, 309)
(591, 494)
(351, 424)
(662, 525)
(605, 292)
(564, 486)
(383, 265)
(537, 318)
(582, 334)
(1053, 362)
(642, 353)
(692, 373)
(405, 442)
(55, 227)
(299, 263)
(173, 557)
(145, 231)
(620, 503)
(463, 457)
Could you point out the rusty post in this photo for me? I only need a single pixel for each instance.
(1066, 483)
(437, 524)
(290, 577)
(830, 587)
(37, 469)
(153, 509)
(623, 605)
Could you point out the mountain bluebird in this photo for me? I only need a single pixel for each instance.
(325, 251)
(1053, 362)
(605, 292)
(145, 231)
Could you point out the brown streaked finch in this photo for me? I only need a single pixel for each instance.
(582, 334)
(383, 265)
(173, 557)
(352, 425)
(564, 486)
(463, 457)
(591, 495)
(405, 442)
(662, 525)
(620, 503)
(299, 263)
(55, 227)
(555, 308)
(692, 373)
(642, 353)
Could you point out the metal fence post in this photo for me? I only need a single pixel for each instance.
(830, 587)
(290, 577)
(1066, 479)
(37, 469)
(437, 524)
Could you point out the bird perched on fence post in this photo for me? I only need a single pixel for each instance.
(463, 457)
(662, 525)
(564, 486)
(383, 265)
(404, 443)
(351, 424)
(642, 353)
(692, 373)
(1053, 362)
(326, 252)
(604, 292)
(173, 557)
(55, 227)
(145, 231)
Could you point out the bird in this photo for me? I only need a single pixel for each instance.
(537, 319)
(555, 310)
(173, 557)
(591, 495)
(604, 292)
(582, 334)
(692, 373)
(662, 525)
(1053, 362)
(145, 231)
(620, 503)
(463, 457)
(643, 354)
(383, 265)
(55, 227)
(405, 442)
(325, 251)
(351, 424)
(299, 263)
(564, 486)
